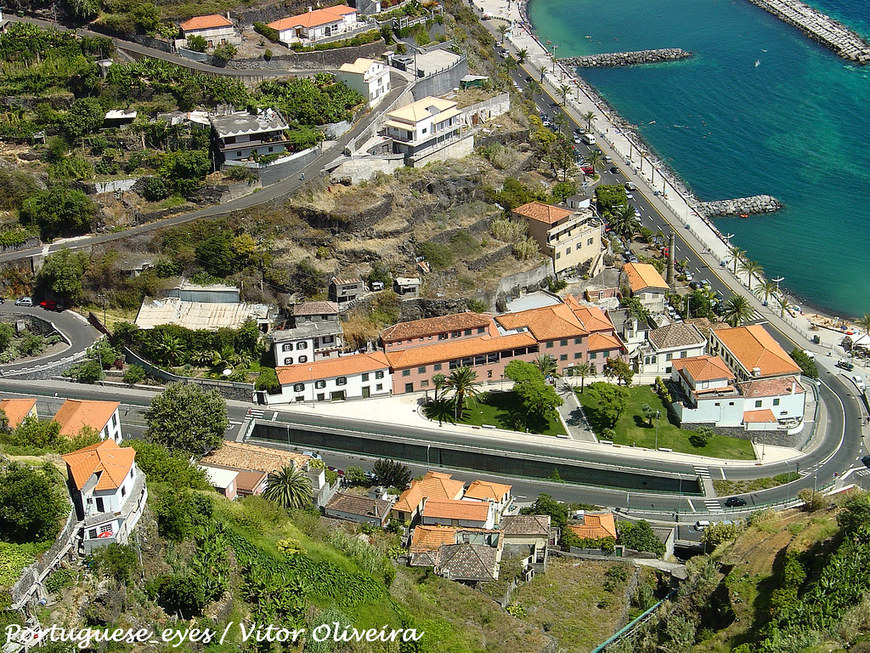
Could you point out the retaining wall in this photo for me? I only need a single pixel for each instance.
(319, 60)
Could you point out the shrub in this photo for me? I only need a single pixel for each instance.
(268, 380)
(134, 374)
(269, 32)
(812, 500)
(525, 248)
(267, 55)
(196, 43)
(807, 364)
(507, 230)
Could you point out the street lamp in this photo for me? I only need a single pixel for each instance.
(776, 281)
(658, 414)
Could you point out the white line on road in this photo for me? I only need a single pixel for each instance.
(722, 471)
(691, 505)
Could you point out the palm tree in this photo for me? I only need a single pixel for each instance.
(864, 322)
(290, 488)
(510, 65)
(438, 381)
(201, 358)
(547, 365)
(783, 303)
(738, 310)
(222, 358)
(737, 255)
(502, 30)
(624, 222)
(463, 382)
(169, 348)
(752, 269)
(649, 413)
(583, 370)
(522, 55)
(594, 159)
(542, 70)
(563, 89)
(589, 117)
(766, 290)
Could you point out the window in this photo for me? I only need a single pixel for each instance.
(303, 359)
(563, 357)
(123, 490)
(669, 369)
(365, 377)
(589, 242)
(379, 386)
(578, 355)
(558, 255)
(605, 354)
(776, 402)
(436, 367)
(563, 343)
(406, 372)
(758, 403)
(114, 420)
(92, 533)
(730, 403)
(298, 387)
(481, 329)
(301, 345)
(379, 375)
(479, 360)
(421, 370)
(320, 396)
(320, 384)
(342, 380)
(442, 336)
(409, 387)
(549, 345)
(489, 374)
(577, 341)
(468, 332)
(299, 399)
(717, 404)
(328, 339)
(567, 251)
(424, 384)
(288, 360)
(592, 355)
(668, 357)
(456, 334)
(100, 506)
(287, 347)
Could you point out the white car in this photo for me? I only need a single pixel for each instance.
(629, 196)
(689, 275)
(859, 381)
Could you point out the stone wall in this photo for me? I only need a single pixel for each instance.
(338, 222)
(779, 437)
(740, 206)
(418, 308)
(27, 244)
(320, 60)
(615, 59)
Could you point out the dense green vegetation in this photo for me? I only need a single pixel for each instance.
(22, 518)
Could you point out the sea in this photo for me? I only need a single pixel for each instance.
(760, 108)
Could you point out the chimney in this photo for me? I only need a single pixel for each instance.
(671, 257)
(792, 386)
(756, 371)
(228, 15)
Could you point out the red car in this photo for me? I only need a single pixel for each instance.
(588, 170)
(50, 305)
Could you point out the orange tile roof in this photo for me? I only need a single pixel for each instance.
(205, 22)
(447, 350)
(754, 347)
(16, 410)
(241, 455)
(105, 458)
(435, 325)
(313, 18)
(595, 526)
(546, 213)
(770, 387)
(486, 491)
(763, 416)
(76, 413)
(591, 317)
(431, 538)
(644, 275)
(328, 368)
(454, 509)
(603, 341)
(546, 322)
(434, 485)
(704, 368)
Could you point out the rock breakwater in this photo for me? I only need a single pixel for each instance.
(819, 27)
(740, 206)
(616, 59)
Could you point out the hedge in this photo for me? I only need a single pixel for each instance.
(269, 32)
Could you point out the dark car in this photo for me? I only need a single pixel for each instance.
(735, 502)
(866, 461)
(846, 365)
(615, 170)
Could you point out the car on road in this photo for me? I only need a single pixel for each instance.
(608, 158)
(858, 380)
(689, 276)
(629, 196)
(588, 170)
(24, 301)
(338, 471)
(734, 502)
(629, 185)
(311, 454)
(615, 170)
(866, 461)
(636, 211)
(702, 524)
(51, 305)
(845, 365)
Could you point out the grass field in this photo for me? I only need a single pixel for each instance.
(633, 429)
(505, 411)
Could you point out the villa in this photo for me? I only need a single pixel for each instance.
(646, 284)
(426, 131)
(316, 25)
(356, 376)
(368, 77)
(101, 416)
(571, 238)
(677, 340)
(214, 28)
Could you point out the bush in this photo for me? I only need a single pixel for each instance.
(437, 254)
(134, 374)
(807, 364)
(267, 55)
(269, 32)
(116, 561)
(87, 372)
(196, 43)
(224, 52)
(268, 380)
(812, 500)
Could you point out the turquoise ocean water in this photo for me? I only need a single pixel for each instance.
(759, 109)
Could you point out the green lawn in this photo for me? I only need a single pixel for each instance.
(632, 428)
(505, 411)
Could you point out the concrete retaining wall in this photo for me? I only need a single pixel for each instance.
(442, 81)
(320, 60)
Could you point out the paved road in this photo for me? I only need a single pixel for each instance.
(81, 334)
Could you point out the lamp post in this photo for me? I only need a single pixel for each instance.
(658, 414)
(776, 281)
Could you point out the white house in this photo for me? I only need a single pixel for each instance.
(307, 342)
(461, 514)
(369, 77)
(497, 494)
(423, 127)
(242, 135)
(225, 481)
(677, 340)
(647, 285)
(108, 491)
(316, 25)
(102, 416)
(214, 28)
(335, 379)
(772, 403)
(709, 394)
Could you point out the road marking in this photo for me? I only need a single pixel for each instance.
(691, 505)
(274, 415)
(703, 472)
(722, 471)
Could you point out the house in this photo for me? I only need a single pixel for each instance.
(316, 25)
(368, 77)
(457, 513)
(108, 491)
(407, 285)
(570, 238)
(677, 340)
(436, 329)
(434, 485)
(646, 284)
(577, 202)
(243, 456)
(751, 352)
(425, 542)
(468, 563)
(315, 312)
(357, 376)
(595, 526)
(242, 135)
(495, 493)
(707, 393)
(118, 117)
(308, 341)
(423, 128)
(772, 403)
(17, 409)
(345, 290)
(359, 509)
(211, 293)
(222, 480)
(214, 28)
(195, 315)
(250, 482)
(532, 533)
(102, 416)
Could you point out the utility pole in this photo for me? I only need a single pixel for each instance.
(658, 414)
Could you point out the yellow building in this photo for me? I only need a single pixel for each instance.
(571, 238)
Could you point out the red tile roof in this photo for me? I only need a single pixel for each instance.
(77, 413)
(763, 416)
(464, 510)
(591, 317)
(545, 323)
(206, 22)
(704, 368)
(314, 18)
(487, 491)
(434, 325)
(595, 526)
(754, 347)
(447, 350)
(644, 275)
(16, 410)
(770, 387)
(105, 458)
(434, 485)
(603, 342)
(328, 368)
(540, 212)
(431, 538)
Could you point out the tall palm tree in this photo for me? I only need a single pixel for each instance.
(438, 381)
(542, 70)
(864, 322)
(502, 30)
(547, 365)
(783, 303)
(624, 223)
(583, 370)
(766, 290)
(594, 159)
(563, 90)
(752, 269)
(463, 382)
(738, 310)
(510, 65)
(589, 117)
(737, 255)
(290, 488)
(522, 55)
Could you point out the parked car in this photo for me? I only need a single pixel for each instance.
(702, 524)
(688, 275)
(629, 196)
(734, 502)
(338, 471)
(846, 365)
(629, 185)
(859, 381)
(614, 170)
(48, 305)
(24, 301)
(636, 211)
(588, 170)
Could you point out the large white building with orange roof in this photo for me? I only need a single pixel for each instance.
(108, 491)
(316, 25)
(102, 416)
(571, 238)
(368, 77)
(17, 409)
(357, 376)
(214, 28)
(751, 352)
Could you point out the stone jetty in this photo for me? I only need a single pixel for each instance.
(740, 206)
(615, 59)
(819, 27)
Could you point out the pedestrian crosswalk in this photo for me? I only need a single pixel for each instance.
(703, 472)
(254, 413)
(712, 504)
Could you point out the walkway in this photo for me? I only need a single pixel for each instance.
(573, 416)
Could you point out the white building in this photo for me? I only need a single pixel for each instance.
(108, 491)
(316, 25)
(242, 135)
(214, 28)
(772, 403)
(334, 379)
(709, 394)
(102, 416)
(369, 77)
(225, 481)
(751, 352)
(423, 127)
(677, 340)
(307, 342)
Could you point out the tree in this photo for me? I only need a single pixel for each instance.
(766, 290)
(807, 364)
(290, 488)
(438, 382)
(616, 368)
(184, 417)
(624, 223)
(32, 432)
(224, 52)
(640, 537)
(267, 380)
(168, 348)
(134, 374)
(864, 322)
(355, 475)
(31, 503)
(613, 399)
(589, 117)
(560, 155)
(307, 278)
(783, 303)
(502, 30)
(563, 91)
(701, 437)
(737, 310)
(463, 382)
(522, 55)
(161, 465)
(61, 275)
(813, 501)
(196, 43)
(392, 473)
(594, 159)
(547, 365)
(648, 412)
(59, 211)
(737, 255)
(583, 370)
(85, 116)
(720, 532)
(6, 335)
(84, 9)
(547, 505)
(752, 269)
